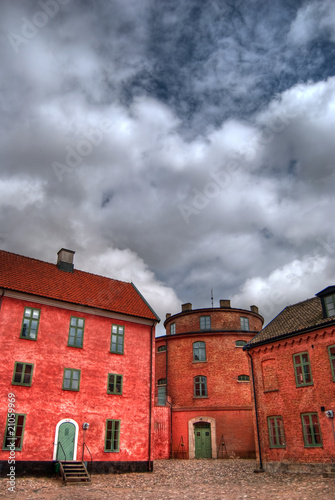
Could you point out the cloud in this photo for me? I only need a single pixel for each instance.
(314, 20)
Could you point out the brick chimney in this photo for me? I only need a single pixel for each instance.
(225, 304)
(186, 307)
(65, 260)
(167, 315)
(254, 309)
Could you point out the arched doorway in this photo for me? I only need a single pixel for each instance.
(202, 437)
(66, 440)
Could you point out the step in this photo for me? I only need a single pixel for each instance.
(74, 472)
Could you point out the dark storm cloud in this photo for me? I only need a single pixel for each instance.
(185, 145)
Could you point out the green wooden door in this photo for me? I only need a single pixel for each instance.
(66, 436)
(202, 434)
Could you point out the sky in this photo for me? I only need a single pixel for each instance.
(183, 145)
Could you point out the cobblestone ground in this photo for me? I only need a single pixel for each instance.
(180, 479)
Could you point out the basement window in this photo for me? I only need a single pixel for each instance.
(243, 378)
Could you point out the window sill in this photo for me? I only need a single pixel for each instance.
(271, 390)
(199, 361)
(200, 397)
(305, 385)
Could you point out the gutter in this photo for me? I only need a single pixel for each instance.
(256, 415)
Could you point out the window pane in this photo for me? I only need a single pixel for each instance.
(75, 375)
(75, 384)
(80, 322)
(36, 313)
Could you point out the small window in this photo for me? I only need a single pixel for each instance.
(276, 432)
(161, 348)
(112, 437)
(244, 323)
(243, 378)
(14, 432)
(23, 373)
(117, 339)
(114, 384)
(199, 351)
(311, 429)
(31, 318)
(200, 386)
(76, 332)
(173, 329)
(161, 381)
(161, 391)
(205, 322)
(331, 350)
(71, 379)
(240, 343)
(330, 305)
(302, 367)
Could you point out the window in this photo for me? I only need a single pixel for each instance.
(276, 432)
(14, 432)
(117, 340)
(23, 373)
(114, 383)
(243, 378)
(330, 305)
(161, 348)
(71, 379)
(172, 328)
(205, 322)
(303, 374)
(199, 351)
(240, 343)
(244, 323)
(200, 386)
(76, 332)
(331, 350)
(161, 391)
(311, 429)
(112, 438)
(30, 322)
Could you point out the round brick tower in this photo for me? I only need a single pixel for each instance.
(202, 375)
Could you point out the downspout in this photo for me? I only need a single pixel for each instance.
(150, 398)
(1, 297)
(256, 415)
(168, 402)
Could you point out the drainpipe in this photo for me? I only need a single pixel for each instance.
(256, 414)
(150, 398)
(3, 293)
(167, 392)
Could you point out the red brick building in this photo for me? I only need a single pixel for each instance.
(202, 378)
(76, 365)
(293, 364)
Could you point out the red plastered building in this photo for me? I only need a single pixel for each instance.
(202, 380)
(76, 365)
(293, 365)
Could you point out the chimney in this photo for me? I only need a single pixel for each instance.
(65, 260)
(225, 304)
(254, 309)
(186, 307)
(167, 315)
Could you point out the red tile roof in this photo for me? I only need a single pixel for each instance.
(43, 279)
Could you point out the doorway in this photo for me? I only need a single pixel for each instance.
(202, 440)
(66, 439)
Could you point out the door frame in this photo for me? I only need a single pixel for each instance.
(71, 421)
(191, 437)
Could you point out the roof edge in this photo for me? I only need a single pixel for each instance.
(146, 302)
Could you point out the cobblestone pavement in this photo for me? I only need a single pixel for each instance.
(180, 479)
